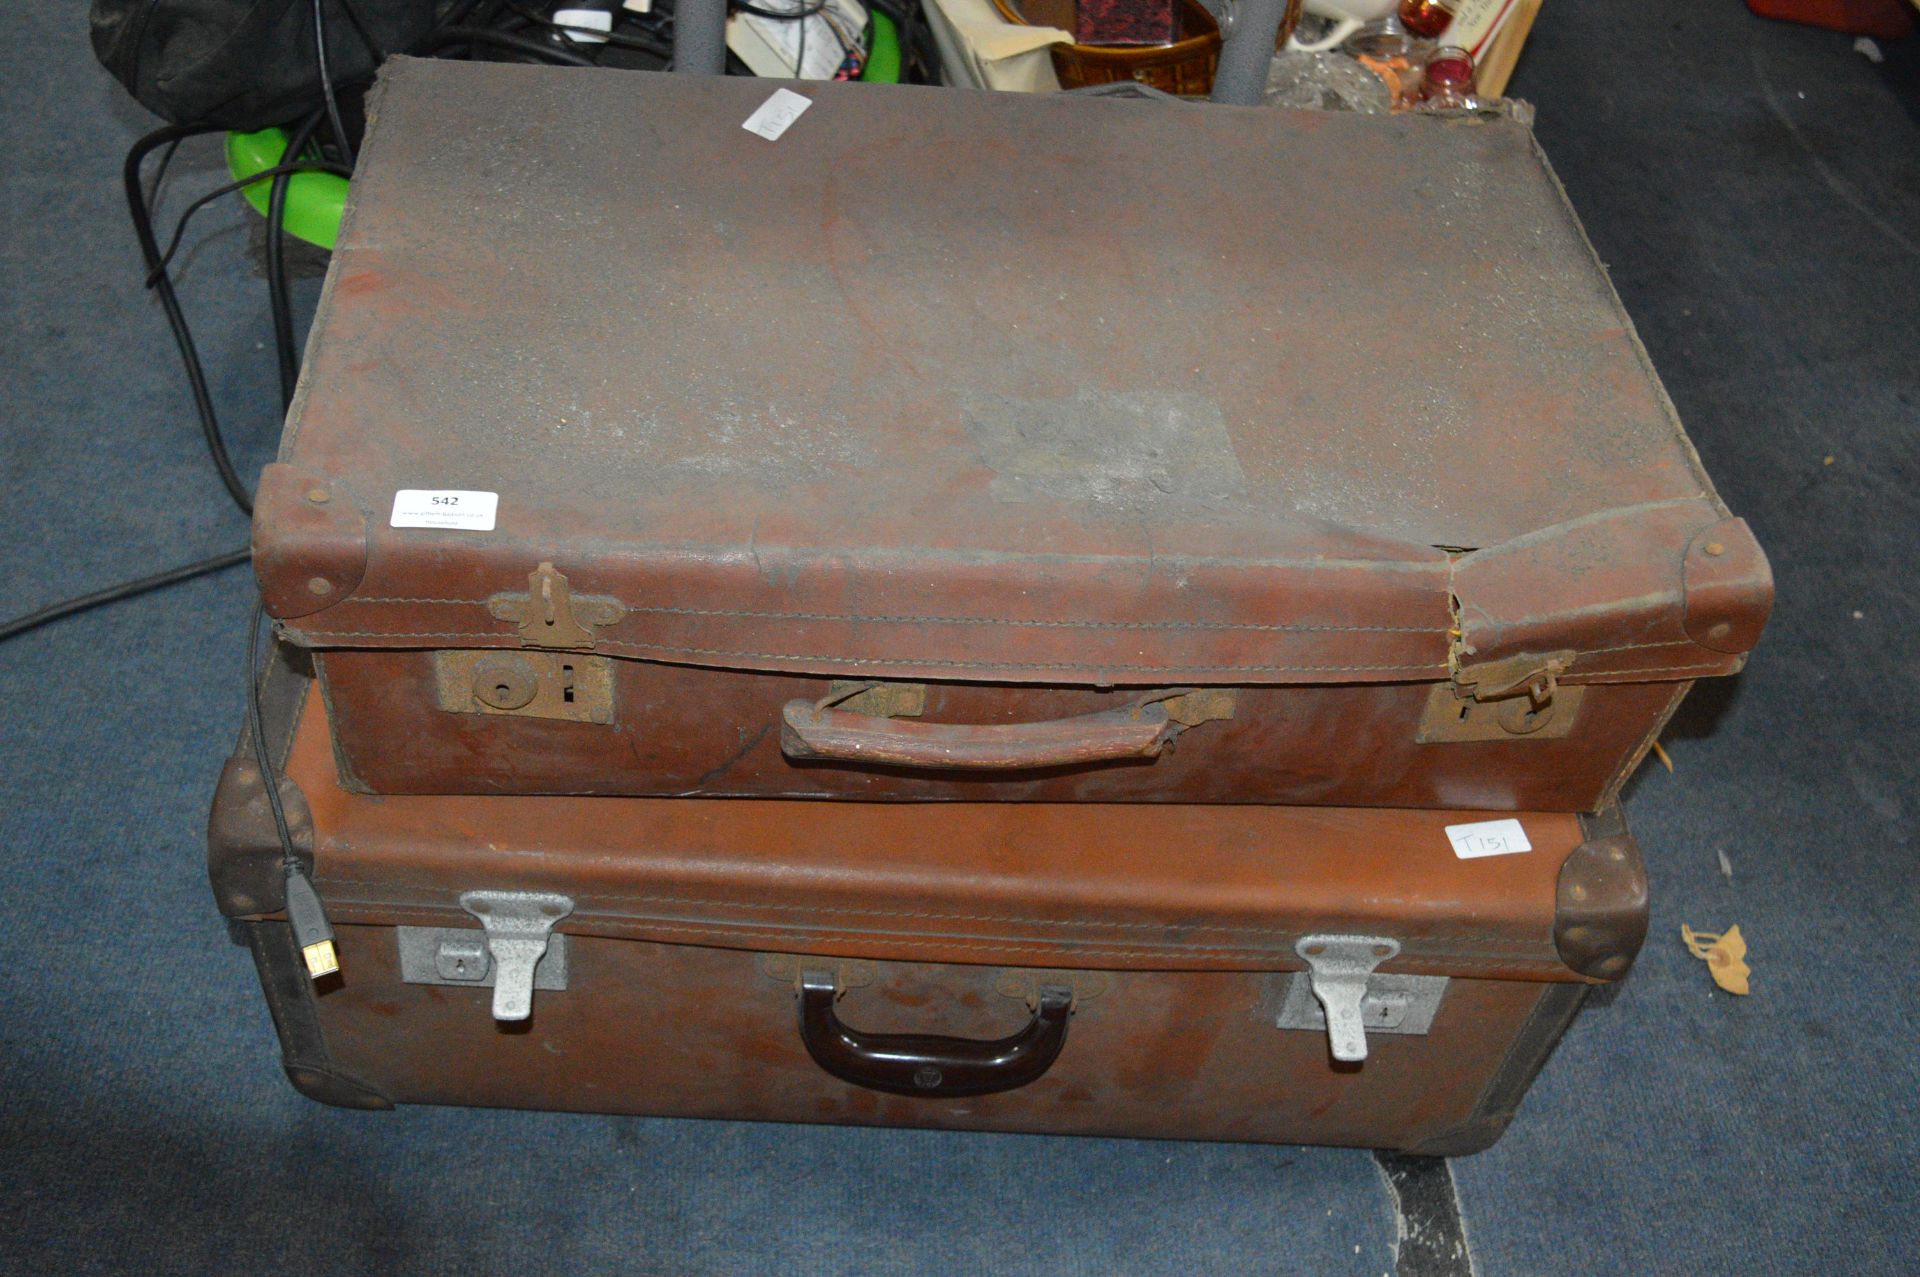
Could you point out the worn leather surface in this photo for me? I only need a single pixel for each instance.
(1173, 926)
(872, 405)
(693, 1031)
(1033, 884)
(716, 733)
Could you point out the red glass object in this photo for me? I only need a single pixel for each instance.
(1448, 76)
(1427, 18)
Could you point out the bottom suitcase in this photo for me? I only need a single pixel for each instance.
(1310, 975)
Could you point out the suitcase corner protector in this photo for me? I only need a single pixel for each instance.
(1475, 1135)
(332, 1088)
(1600, 901)
(244, 861)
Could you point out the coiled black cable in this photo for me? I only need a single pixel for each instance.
(138, 210)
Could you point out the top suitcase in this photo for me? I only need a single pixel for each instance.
(968, 445)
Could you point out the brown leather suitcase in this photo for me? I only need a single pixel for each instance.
(1149, 970)
(978, 446)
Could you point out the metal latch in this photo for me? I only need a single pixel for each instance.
(1511, 697)
(463, 959)
(551, 615)
(459, 955)
(516, 925)
(1340, 975)
(573, 686)
(1536, 677)
(1392, 1004)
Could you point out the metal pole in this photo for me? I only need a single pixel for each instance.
(700, 37)
(1241, 79)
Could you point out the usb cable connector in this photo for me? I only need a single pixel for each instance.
(311, 931)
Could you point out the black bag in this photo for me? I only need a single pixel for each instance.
(246, 64)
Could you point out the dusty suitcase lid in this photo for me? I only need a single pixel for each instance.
(967, 385)
(1081, 885)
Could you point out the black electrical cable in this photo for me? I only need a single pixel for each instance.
(791, 16)
(114, 593)
(570, 33)
(455, 15)
(170, 303)
(621, 40)
(160, 173)
(306, 916)
(918, 33)
(257, 723)
(277, 300)
(365, 32)
(180, 226)
(467, 13)
(450, 36)
(326, 83)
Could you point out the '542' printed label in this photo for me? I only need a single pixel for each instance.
(444, 508)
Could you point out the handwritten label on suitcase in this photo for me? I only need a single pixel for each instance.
(1488, 838)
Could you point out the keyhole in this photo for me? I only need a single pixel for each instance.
(566, 684)
(1464, 707)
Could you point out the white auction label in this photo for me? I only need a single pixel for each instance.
(777, 114)
(1488, 838)
(435, 508)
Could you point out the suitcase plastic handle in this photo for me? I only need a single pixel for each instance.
(924, 1064)
(810, 730)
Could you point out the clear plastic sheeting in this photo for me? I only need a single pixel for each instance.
(1329, 81)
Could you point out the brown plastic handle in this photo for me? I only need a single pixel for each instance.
(924, 1065)
(809, 730)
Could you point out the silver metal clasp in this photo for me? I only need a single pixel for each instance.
(462, 955)
(517, 926)
(1351, 999)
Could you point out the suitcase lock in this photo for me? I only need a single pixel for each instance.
(1510, 699)
(1340, 993)
(514, 952)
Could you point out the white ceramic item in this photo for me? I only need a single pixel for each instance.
(1348, 17)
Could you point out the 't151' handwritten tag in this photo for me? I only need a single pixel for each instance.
(777, 114)
(1488, 838)
(432, 508)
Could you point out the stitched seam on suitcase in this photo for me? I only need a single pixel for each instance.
(1632, 762)
(1278, 933)
(1067, 946)
(1077, 665)
(1072, 947)
(941, 944)
(941, 664)
(979, 620)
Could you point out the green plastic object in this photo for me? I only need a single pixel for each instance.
(883, 52)
(314, 200)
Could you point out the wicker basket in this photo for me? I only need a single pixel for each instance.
(1184, 67)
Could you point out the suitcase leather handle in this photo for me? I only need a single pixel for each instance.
(925, 1064)
(810, 730)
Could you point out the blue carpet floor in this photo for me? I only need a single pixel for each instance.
(1755, 189)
